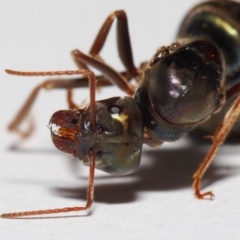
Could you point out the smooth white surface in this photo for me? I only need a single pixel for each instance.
(157, 202)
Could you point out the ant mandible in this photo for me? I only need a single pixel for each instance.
(185, 85)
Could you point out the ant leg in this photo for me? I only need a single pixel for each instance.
(218, 138)
(71, 104)
(123, 40)
(91, 154)
(113, 76)
(125, 54)
(82, 60)
(47, 85)
(90, 195)
(124, 50)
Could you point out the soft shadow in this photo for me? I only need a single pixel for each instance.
(165, 170)
(33, 150)
(200, 137)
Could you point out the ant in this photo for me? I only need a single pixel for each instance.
(192, 83)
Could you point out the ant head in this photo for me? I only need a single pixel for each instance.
(116, 138)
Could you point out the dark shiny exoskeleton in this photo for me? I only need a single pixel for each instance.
(194, 83)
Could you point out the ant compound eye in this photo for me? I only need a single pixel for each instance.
(74, 121)
(114, 109)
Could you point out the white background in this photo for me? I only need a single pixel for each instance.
(157, 202)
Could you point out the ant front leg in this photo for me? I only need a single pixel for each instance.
(90, 196)
(90, 153)
(218, 138)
